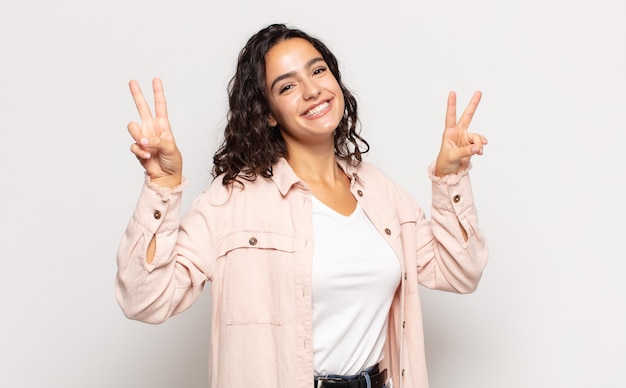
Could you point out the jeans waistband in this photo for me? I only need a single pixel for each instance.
(369, 378)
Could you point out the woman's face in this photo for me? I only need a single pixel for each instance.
(305, 99)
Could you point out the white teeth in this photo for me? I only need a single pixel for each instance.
(317, 109)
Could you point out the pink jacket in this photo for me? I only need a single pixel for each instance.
(255, 246)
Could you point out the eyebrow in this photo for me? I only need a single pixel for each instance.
(281, 77)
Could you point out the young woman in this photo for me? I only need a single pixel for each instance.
(314, 256)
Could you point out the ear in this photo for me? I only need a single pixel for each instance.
(271, 121)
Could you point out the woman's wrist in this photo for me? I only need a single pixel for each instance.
(168, 182)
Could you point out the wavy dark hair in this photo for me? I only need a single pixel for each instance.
(250, 145)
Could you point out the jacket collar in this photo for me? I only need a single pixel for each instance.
(348, 168)
(284, 177)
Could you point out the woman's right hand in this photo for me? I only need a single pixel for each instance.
(154, 145)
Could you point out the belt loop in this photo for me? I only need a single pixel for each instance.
(368, 381)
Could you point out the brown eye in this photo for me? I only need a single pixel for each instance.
(319, 70)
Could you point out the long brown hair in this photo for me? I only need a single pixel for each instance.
(250, 145)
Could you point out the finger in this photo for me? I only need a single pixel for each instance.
(160, 106)
(484, 139)
(458, 154)
(477, 138)
(145, 143)
(139, 152)
(451, 110)
(468, 114)
(156, 145)
(477, 142)
(140, 101)
(135, 131)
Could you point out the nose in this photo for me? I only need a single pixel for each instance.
(311, 90)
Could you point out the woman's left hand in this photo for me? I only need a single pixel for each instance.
(458, 144)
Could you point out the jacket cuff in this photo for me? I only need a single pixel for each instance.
(164, 192)
(158, 207)
(450, 179)
(453, 192)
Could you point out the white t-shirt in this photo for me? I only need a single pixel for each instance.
(355, 276)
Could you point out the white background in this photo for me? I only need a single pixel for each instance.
(550, 188)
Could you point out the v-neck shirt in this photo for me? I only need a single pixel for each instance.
(355, 276)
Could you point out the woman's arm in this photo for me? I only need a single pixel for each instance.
(456, 255)
(154, 145)
(154, 280)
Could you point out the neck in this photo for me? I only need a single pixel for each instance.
(315, 166)
(327, 182)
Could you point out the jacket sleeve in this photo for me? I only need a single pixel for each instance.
(446, 261)
(152, 292)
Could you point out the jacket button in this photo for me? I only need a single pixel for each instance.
(457, 198)
(388, 231)
(403, 324)
(252, 241)
(360, 193)
(405, 276)
(157, 215)
(402, 372)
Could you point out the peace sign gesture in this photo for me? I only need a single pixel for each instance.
(154, 145)
(458, 145)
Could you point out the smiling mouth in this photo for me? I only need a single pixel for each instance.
(317, 110)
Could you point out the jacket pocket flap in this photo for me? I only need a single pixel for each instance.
(258, 240)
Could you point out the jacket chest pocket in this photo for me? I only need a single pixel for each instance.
(255, 266)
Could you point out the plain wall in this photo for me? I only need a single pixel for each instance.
(550, 188)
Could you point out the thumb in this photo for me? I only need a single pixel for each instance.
(457, 154)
